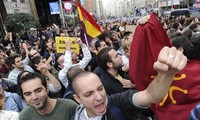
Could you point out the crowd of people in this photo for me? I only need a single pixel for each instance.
(36, 82)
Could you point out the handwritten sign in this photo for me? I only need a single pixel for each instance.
(61, 45)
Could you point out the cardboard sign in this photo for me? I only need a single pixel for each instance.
(61, 45)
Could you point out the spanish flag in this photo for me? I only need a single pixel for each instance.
(88, 22)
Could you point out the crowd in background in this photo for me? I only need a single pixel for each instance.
(35, 51)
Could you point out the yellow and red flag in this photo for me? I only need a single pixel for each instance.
(90, 27)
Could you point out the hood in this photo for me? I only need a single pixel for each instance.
(79, 113)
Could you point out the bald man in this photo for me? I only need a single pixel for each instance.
(96, 105)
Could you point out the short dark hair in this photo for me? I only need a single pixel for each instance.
(103, 57)
(98, 44)
(185, 43)
(34, 61)
(127, 33)
(103, 35)
(26, 76)
(81, 74)
(57, 55)
(11, 59)
(111, 34)
(73, 72)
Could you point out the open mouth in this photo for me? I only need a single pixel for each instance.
(100, 108)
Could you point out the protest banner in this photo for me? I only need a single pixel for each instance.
(61, 45)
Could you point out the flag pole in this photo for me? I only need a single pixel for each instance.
(62, 14)
(86, 41)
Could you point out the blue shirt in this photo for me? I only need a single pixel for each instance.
(15, 72)
(13, 102)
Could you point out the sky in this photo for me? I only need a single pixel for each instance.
(105, 2)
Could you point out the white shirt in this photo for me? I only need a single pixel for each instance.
(93, 118)
(62, 75)
(9, 115)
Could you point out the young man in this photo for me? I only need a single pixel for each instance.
(33, 89)
(15, 61)
(110, 65)
(124, 106)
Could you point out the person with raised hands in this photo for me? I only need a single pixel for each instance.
(64, 62)
(95, 105)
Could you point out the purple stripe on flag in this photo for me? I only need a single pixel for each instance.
(83, 30)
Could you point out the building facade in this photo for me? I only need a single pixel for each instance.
(17, 6)
(40, 8)
(8, 7)
(99, 8)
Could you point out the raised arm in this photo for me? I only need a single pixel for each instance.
(86, 53)
(26, 60)
(170, 62)
(62, 75)
(55, 85)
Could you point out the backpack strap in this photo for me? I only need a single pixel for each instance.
(18, 101)
(67, 93)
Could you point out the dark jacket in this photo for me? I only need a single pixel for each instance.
(110, 83)
(119, 107)
(9, 86)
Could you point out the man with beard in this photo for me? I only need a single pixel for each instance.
(95, 105)
(111, 75)
(34, 90)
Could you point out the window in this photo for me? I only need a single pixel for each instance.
(13, 0)
(22, 1)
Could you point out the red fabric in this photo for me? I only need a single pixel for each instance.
(147, 42)
(184, 102)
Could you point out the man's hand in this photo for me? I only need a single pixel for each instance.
(127, 83)
(68, 44)
(170, 61)
(42, 67)
(24, 45)
(143, 20)
(79, 41)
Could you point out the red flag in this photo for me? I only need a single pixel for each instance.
(183, 94)
(147, 42)
(91, 27)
